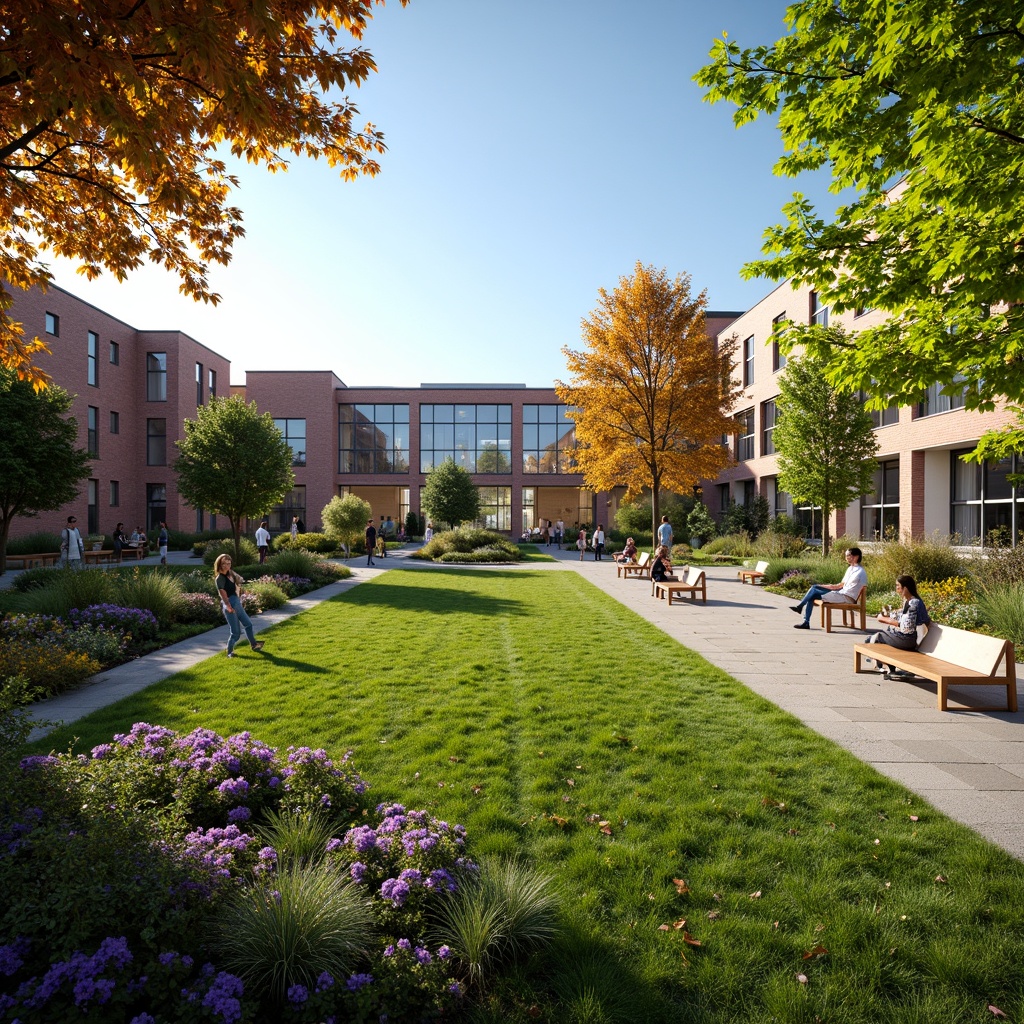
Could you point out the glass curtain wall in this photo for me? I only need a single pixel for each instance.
(477, 437)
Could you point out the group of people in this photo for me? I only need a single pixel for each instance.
(72, 546)
(596, 542)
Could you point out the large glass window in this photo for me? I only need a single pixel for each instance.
(769, 417)
(477, 437)
(880, 510)
(529, 508)
(156, 505)
(93, 350)
(156, 376)
(294, 504)
(881, 417)
(745, 438)
(819, 312)
(549, 439)
(985, 506)
(495, 508)
(93, 434)
(294, 432)
(156, 442)
(373, 438)
(943, 398)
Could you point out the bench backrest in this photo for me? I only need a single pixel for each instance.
(761, 567)
(693, 575)
(644, 558)
(964, 648)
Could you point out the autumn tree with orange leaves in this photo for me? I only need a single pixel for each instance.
(115, 116)
(652, 391)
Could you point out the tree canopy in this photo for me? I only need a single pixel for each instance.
(824, 438)
(233, 462)
(115, 119)
(652, 392)
(40, 463)
(450, 496)
(877, 92)
(346, 518)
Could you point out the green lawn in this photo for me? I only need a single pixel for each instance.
(558, 726)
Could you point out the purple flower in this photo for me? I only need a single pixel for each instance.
(395, 891)
(11, 957)
(298, 994)
(239, 814)
(422, 955)
(324, 982)
(268, 853)
(143, 1018)
(404, 944)
(443, 952)
(332, 845)
(224, 994)
(357, 981)
(455, 988)
(357, 871)
(34, 761)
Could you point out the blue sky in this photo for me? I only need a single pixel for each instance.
(536, 151)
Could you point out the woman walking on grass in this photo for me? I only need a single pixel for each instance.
(229, 586)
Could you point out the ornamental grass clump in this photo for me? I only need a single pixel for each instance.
(927, 559)
(267, 593)
(295, 562)
(1001, 608)
(499, 913)
(66, 589)
(150, 589)
(470, 544)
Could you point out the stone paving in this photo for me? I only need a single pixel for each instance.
(969, 764)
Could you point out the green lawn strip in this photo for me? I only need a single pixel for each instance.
(479, 694)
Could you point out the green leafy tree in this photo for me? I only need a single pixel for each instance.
(824, 439)
(699, 523)
(346, 518)
(633, 516)
(40, 463)
(450, 496)
(930, 93)
(233, 461)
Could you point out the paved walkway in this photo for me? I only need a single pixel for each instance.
(969, 764)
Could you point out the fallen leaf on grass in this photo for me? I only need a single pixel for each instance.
(663, 928)
(624, 740)
(817, 951)
(579, 767)
(477, 790)
(566, 799)
(605, 827)
(570, 782)
(914, 817)
(560, 822)
(995, 1011)
(690, 940)
(713, 915)
(941, 878)
(681, 923)
(454, 759)
(802, 978)
(778, 805)
(534, 1011)
(755, 895)
(681, 887)
(591, 818)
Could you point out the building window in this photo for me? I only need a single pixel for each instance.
(809, 518)
(115, 422)
(156, 505)
(985, 506)
(93, 433)
(199, 520)
(880, 510)
(115, 354)
(403, 504)
(549, 439)
(93, 507)
(819, 312)
(281, 516)
(156, 442)
(53, 324)
(93, 357)
(779, 502)
(769, 417)
(723, 497)
(748, 362)
(943, 397)
(156, 377)
(373, 438)
(495, 508)
(778, 358)
(477, 437)
(115, 493)
(294, 432)
(199, 384)
(529, 508)
(211, 383)
(745, 438)
(881, 417)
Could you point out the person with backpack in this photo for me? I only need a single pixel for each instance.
(72, 547)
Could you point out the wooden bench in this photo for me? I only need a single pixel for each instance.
(849, 609)
(638, 569)
(751, 576)
(98, 556)
(952, 657)
(28, 561)
(694, 582)
(140, 551)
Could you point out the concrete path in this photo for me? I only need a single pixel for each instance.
(969, 764)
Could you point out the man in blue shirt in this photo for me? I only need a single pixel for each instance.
(665, 533)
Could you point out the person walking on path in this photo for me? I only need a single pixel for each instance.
(665, 533)
(71, 545)
(854, 581)
(229, 586)
(263, 540)
(598, 542)
(163, 540)
(429, 532)
(371, 541)
(560, 533)
(295, 527)
(581, 541)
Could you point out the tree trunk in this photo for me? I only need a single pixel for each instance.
(826, 538)
(236, 530)
(655, 509)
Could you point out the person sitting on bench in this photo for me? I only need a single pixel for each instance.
(661, 567)
(628, 553)
(901, 627)
(854, 581)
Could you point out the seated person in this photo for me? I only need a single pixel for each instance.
(854, 581)
(628, 553)
(135, 540)
(661, 567)
(901, 628)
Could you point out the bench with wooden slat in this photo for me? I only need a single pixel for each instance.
(636, 570)
(952, 657)
(694, 582)
(106, 555)
(751, 576)
(851, 611)
(28, 561)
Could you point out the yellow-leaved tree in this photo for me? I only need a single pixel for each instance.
(114, 118)
(652, 391)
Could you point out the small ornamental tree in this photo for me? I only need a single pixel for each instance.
(699, 523)
(233, 461)
(450, 496)
(634, 517)
(346, 518)
(40, 463)
(824, 439)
